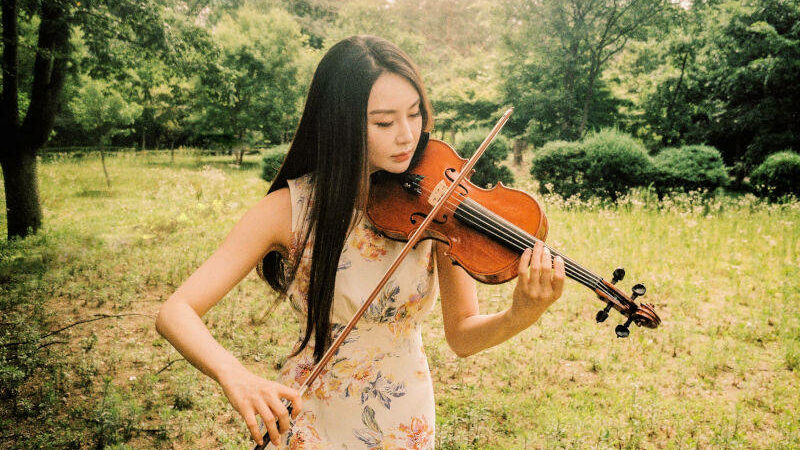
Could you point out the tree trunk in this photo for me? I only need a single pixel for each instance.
(23, 210)
(519, 146)
(587, 102)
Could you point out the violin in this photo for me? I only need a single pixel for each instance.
(486, 231)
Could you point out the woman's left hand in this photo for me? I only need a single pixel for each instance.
(540, 283)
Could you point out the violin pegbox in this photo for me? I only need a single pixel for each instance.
(642, 315)
(412, 183)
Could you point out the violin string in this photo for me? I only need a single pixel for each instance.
(594, 280)
(571, 268)
(577, 272)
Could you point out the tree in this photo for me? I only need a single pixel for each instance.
(252, 91)
(101, 21)
(102, 111)
(24, 138)
(557, 51)
(724, 75)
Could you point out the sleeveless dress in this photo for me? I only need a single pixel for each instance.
(376, 392)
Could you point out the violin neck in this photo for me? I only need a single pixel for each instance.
(478, 217)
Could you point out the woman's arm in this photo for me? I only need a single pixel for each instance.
(539, 284)
(265, 227)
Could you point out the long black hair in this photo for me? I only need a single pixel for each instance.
(331, 144)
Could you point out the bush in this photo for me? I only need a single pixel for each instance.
(777, 176)
(488, 170)
(271, 162)
(559, 166)
(615, 163)
(689, 168)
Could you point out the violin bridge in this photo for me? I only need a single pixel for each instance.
(437, 193)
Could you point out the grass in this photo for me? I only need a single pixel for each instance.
(722, 371)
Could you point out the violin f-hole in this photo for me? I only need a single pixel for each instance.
(451, 174)
(413, 219)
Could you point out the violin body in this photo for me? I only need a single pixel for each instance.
(483, 257)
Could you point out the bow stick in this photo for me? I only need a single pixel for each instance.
(412, 241)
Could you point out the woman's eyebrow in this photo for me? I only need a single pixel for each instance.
(385, 111)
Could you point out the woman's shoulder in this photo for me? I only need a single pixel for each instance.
(273, 219)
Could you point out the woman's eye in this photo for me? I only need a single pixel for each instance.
(383, 124)
(417, 114)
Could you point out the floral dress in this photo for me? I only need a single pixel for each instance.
(376, 392)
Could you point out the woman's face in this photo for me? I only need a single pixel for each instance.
(394, 123)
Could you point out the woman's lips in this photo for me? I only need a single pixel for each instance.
(402, 157)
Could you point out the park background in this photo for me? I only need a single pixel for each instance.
(658, 136)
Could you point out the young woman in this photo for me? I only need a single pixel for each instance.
(366, 111)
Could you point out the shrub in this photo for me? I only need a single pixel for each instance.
(777, 176)
(271, 162)
(488, 170)
(689, 168)
(559, 167)
(615, 162)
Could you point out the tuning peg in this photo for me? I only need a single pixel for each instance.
(602, 315)
(622, 330)
(618, 275)
(638, 291)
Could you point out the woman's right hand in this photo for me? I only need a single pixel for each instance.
(254, 396)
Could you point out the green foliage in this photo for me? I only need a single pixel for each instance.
(101, 110)
(724, 74)
(556, 52)
(255, 85)
(488, 170)
(271, 162)
(778, 176)
(615, 163)
(605, 164)
(559, 166)
(689, 168)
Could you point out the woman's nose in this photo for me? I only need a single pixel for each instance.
(405, 136)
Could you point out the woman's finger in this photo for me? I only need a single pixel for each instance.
(546, 267)
(293, 396)
(524, 262)
(281, 413)
(558, 276)
(269, 421)
(536, 264)
(252, 425)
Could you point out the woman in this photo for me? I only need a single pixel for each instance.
(366, 112)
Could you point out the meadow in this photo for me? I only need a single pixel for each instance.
(722, 370)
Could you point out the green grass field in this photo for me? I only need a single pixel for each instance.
(722, 371)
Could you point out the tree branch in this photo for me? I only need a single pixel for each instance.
(97, 317)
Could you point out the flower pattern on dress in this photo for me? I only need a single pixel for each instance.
(383, 389)
(303, 435)
(369, 243)
(416, 434)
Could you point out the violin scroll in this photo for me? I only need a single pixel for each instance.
(642, 315)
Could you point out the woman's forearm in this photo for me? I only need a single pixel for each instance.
(182, 327)
(481, 331)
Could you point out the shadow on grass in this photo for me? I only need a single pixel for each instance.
(94, 193)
